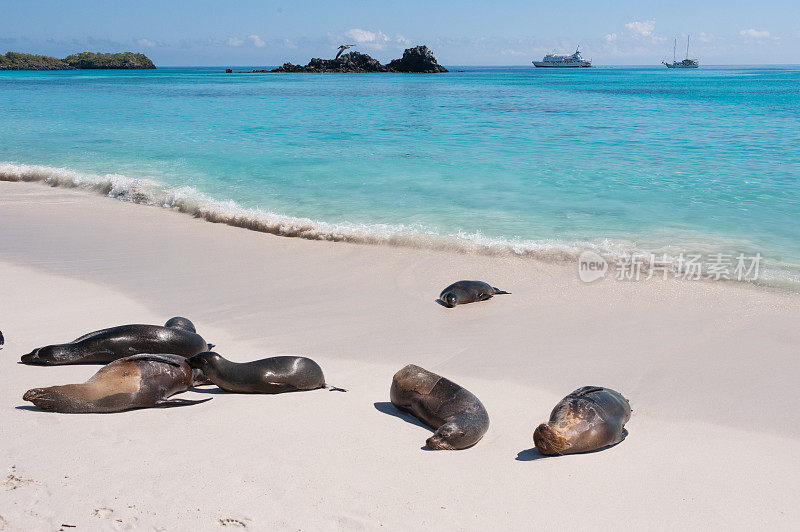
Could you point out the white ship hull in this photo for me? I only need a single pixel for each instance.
(542, 64)
(563, 61)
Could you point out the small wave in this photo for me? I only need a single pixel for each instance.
(190, 201)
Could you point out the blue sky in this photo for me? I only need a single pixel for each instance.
(263, 32)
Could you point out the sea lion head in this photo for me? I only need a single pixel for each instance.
(444, 437)
(450, 299)
(179, 322)
(549, 441)
(203, 360)
(49, 355)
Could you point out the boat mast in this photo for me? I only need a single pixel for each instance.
(687, 46)
(674, 47)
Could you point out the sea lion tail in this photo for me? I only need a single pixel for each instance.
(167, 403)
(497, 291)
(334, 388)
(211, 346)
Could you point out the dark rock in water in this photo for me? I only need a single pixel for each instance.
(229, 71)
(352, 62)
(417, 59)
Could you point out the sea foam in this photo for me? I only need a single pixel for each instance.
(190, 201)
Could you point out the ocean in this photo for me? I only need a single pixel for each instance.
(526, 162)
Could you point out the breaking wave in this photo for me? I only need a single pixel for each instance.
(188, 200)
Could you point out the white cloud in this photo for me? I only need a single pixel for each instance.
(611, 37)
(402, 40)
(234, 41)
(642, 28)
(366, 37)
(256, 40)
(758, 34)
(147, 43)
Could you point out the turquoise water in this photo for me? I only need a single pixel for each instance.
(521, 160)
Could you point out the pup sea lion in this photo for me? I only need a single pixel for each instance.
(457, 416)
(468, 292)
(107, 345)
(138, 381)
(268, 375)
(588, 419)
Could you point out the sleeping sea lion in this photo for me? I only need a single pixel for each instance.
(588, 419)
(138, 381)
(107, 345)
(457, 416)
(268, 375)
(462, 292)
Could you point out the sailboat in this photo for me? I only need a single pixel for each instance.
(686, 63)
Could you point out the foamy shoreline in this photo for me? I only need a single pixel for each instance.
(187, 200)
(709, 369)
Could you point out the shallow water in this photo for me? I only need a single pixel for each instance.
(525, 161)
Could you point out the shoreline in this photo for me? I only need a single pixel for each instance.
(780, 276)
(708, 368)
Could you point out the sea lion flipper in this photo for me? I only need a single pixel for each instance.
(588, 389)
(498, 291)
(334, 388)
(166, 359)
(167, 403)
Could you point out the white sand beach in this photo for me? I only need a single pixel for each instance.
(710, 369)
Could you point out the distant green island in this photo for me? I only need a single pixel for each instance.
(81, 61)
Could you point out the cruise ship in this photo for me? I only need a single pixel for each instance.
(686, 63)
(563, 61)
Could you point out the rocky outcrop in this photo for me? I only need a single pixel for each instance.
(84, 60)
(418, 59)
(351, 62)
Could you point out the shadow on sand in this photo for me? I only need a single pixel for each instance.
(388, 408)
(528, 455)
(212, 391)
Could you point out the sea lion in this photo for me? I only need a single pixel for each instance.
(2, 340)
(138, 381)
(179, 322)
(268, 375)
(462, 292)
(107, 345)
(588, 419)
(457, 416)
